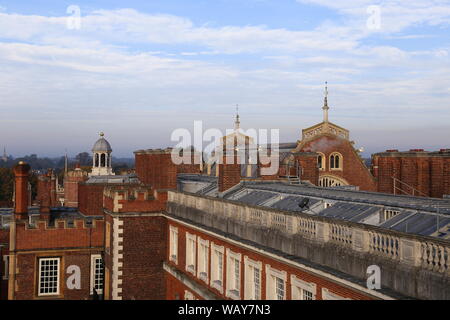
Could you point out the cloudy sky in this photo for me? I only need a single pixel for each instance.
(138, 70)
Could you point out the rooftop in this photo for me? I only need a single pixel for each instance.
(123, 179)
(417, 215)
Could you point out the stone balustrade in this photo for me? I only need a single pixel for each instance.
(413, 250)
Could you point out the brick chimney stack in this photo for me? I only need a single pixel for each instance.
(21, 173)
(44, 196)
(156, 168)
(229, 169)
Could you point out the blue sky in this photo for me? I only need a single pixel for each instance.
(138, 70)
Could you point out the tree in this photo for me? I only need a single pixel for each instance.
(84, 159)
(6, 185)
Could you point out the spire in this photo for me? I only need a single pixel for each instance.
(5, 156)
(65, 163)
(325, 104)
(237, 123)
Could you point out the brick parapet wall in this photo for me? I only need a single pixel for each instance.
(59, 236)
(426, 172)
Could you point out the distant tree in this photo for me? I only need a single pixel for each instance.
(119, 167)
(6, 184)
(33, 181)
(84, 159)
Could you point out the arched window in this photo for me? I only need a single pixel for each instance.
(321, 163)
(336, 161)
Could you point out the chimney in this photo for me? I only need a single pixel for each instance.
(156, 168)
(44, 197)
(21, 173)
(229, 169)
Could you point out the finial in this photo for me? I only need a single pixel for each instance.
(237, 122)
(102, 134)
(325, 103)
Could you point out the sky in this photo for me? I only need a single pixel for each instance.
(138, 70)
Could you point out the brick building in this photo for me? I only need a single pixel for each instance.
(413, 172)
(72, 180)
(169, 232)
(325, 156)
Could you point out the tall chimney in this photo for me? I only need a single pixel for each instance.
(21, 173)
(44, 197)
(229, 168)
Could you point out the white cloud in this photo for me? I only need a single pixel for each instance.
(396, 15)
(156, 72)
(129, 25)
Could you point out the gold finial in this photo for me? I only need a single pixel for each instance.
(22, 162)
(102, 134)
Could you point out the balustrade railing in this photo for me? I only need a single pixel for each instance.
(416, 250)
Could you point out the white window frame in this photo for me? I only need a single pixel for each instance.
(188, 295)
(234, 282)
(272, 275)
(203, 259)
(327, 295)
(6, 268)
(191, 246)
(299, 286)
(250, 288)
(58, 276)
(173, 243)
(216, 280)
(94, 257)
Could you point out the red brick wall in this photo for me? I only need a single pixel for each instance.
(90, 199)
(156, 169)
(354, 170)
(58, 236)
(229, 173)
(176, 289)
(28, 273)
(71, 182)
(144, 251)
(424, 172)
(310, 170)
(291, 270)
(136, 199)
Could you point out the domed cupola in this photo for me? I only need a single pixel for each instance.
(102, 145)
(102, 159)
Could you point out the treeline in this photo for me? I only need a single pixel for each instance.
(84, 159)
